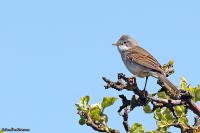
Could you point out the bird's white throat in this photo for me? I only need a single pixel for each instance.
(123, 48)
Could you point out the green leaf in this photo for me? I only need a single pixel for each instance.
(161, 124)
(183, 83)
(85, 100)
(162, 95)
(197, 94)
(77, 104)
(153, 94)
(178, 113)
(171, 62)
(137, 128)
(180, 110)
(82, 120)
(163, 129)
(167, 111)
(147, 109)
(95, 114)
(169, 117)
(158, 116)
(82, 117)
(80, 108)
(108, 101)
(193, 90)
(83, 105)
(184, 120)
(158, 113)
(198, 86)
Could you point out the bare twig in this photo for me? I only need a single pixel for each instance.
(125, 122)
(125, 103)
(196, 122)
(179, 125)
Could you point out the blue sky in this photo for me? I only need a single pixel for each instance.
(54, 52)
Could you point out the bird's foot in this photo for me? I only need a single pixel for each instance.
(131, 80)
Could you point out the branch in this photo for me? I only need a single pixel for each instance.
(125, 122)
(196, 122)
(194, 107)
(100, 127)
(184, 98)
(179, 125)
(171, 104)
(181, 98)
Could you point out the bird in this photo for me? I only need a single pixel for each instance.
(140, 62)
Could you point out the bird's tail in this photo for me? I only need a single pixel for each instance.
(164, 79)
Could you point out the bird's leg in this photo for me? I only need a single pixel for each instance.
(135, 76)
(145, 86)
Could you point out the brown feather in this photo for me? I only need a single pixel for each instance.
(164, 79)
(124, 37)
(144, 58)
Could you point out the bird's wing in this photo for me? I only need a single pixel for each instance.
(144, 58)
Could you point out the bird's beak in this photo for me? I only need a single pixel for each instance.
(116, 44)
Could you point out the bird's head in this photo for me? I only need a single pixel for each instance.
(125, 43)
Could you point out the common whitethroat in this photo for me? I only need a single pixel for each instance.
(140, 62)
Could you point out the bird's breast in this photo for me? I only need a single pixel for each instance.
(136, 68)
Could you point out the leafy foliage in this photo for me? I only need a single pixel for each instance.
(163, 116)
(108, 101)
(147, 109)
(137, 128)
(162, 95)
(82, 120)
(195, 90)
(95, 111)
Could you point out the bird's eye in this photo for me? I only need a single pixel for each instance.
(125, 42)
